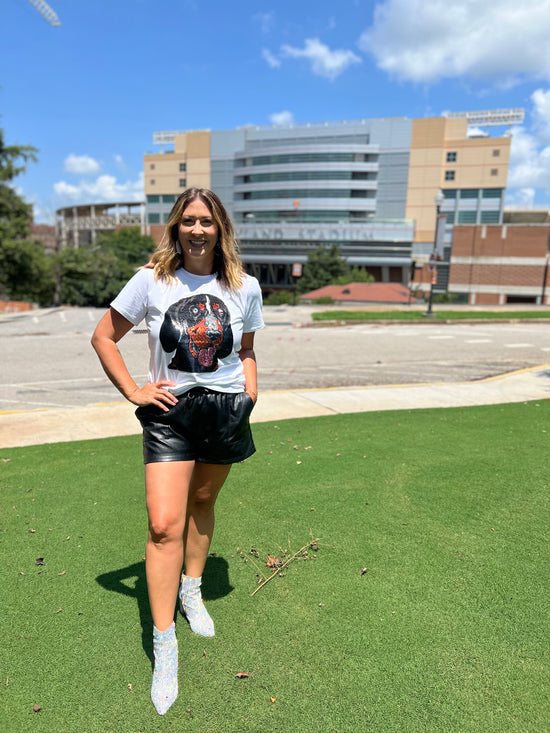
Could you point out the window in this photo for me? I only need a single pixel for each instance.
(450, 193)
(449, 175)
(469, 193)
(152, 167)
(451, 157)
(494, 171)
(168, 199)
(466, 217)
(496, 153)
(306, 193)
(490, 217)
(492, 193)
(153, 218)
(183, 167)
(153, 199)
(152, 181)
(450, 217)
(183, 182)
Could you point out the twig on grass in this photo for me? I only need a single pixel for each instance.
(287, 562)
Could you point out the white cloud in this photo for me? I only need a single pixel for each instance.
(521, 197)
(42, 214)
(530, 155)
(324, 61)
(266, 21)
(529, 162)
(104, 188)
(541, 112)
(502, 40)
(281, 118)
(272, 60)
(82, 165)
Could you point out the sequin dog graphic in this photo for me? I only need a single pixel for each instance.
(198, 328)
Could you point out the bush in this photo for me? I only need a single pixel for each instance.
(445, 297)
(325, 300)
(279, 297)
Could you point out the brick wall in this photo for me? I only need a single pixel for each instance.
(14, 306)
(496, 263)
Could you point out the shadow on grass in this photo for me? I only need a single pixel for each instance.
(215, 585)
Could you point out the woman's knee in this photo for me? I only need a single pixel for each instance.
(202, 503)
(165, 527)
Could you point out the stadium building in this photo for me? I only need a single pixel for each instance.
(367, 186)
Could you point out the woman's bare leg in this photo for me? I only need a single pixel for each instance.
(167, 490)
(206, 482)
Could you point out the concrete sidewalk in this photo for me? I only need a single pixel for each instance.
(117, 418)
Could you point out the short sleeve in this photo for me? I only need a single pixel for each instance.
(133, 299)
(253, 320)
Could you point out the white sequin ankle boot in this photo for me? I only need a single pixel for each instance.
(192, 607)
(164, 689)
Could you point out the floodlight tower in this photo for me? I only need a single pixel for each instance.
(45, 10)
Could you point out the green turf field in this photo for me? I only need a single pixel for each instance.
(417, 315)
(422, 605)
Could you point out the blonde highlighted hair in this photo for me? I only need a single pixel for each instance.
(227, 264)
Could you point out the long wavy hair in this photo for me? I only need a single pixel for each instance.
(227, 264)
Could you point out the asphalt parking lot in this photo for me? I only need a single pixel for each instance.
(47, 360)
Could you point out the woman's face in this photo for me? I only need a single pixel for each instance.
(198, 234)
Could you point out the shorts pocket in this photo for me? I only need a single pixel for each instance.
(248, 403)
(154, 412)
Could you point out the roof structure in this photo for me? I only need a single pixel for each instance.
(362, 293)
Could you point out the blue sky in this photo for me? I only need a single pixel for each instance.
(90, 93)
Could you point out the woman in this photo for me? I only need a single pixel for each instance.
(201, 311)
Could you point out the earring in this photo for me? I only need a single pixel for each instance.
(178, 247)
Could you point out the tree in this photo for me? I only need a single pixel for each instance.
(128, 245)
(25, 270)
(324, 265)
(93, 276)
(355, 275)
(15, 213)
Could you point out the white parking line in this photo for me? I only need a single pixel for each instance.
(40, 403)
(519, 346)
(49, 382)
(479, 341)
(440, 338)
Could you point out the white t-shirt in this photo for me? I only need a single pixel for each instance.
(195, 327)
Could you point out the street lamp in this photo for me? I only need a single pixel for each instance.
(438, 201)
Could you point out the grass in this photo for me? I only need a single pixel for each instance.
(425, 607)
(416, 315)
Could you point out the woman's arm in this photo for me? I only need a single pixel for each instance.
(111, 328)
(248, 358)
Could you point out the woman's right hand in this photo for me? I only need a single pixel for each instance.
(154, 394)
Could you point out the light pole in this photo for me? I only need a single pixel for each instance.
(438, 201)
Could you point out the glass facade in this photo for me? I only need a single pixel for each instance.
(305, 193)
(302, 216)
(306, 176)
(290, 158)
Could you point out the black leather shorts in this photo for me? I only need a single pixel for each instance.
(205, 425)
